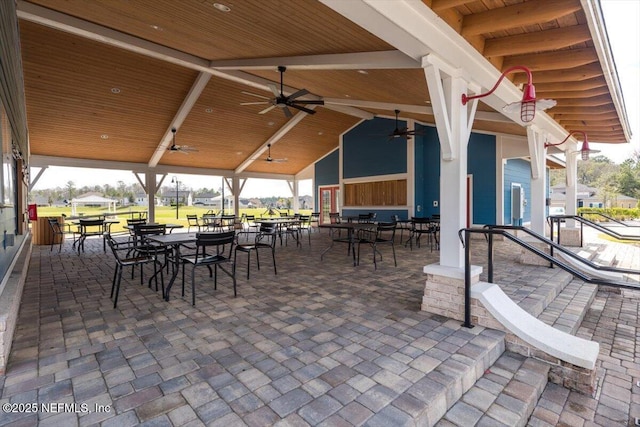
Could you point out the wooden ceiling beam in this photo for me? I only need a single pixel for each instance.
(523, 14)
(595, 82)
(603, 116)
(595, 101)
(604, 126)
(552, 60)
(571, 94)
(585, 111)
(569, 75)
(440, 5)
(540, 41)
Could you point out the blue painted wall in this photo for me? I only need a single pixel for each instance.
(367, 150)
(517, 171)
(327, 171)
(481, 163)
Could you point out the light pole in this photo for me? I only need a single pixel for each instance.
(175, 179)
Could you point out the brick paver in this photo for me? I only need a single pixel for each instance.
(321, 343)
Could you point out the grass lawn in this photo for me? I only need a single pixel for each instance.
(164, 214)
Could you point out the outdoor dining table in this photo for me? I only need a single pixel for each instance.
(281, 224)
(352, 229)
(83, 232)
(175, 241)
(169, 227)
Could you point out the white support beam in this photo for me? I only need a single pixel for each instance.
(349, 111)
(391, 59)
(187, 104)
(141, 181)
(535, 140)
(413, 28)
(36, 178)
(274, 138)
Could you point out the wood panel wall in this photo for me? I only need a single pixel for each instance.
(376, 193)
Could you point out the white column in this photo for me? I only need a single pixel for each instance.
(295, 190)
(537, 153)
(452, 122)
(571, 199)
(151, 187)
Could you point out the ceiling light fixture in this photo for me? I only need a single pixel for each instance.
(115, 90)
(222, 7)
(208, 110)
(529, 103)
(157, 27)
(104, 136)
(585, 151)
(363, 71)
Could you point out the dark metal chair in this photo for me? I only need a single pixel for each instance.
(265, 239)
(212, 249)
(383, 234)
(58, 233)
(89, 228)
(192, 221)
(126, 256)
(421, 226)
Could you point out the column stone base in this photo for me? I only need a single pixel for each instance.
(444, 290)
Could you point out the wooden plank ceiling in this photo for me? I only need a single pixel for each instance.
(73, 111)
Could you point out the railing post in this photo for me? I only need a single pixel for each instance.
(467, 279)
(581, 233)
(490, 257)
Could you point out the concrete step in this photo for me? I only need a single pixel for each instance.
(449, 377)
(568, 309)
(506, 395)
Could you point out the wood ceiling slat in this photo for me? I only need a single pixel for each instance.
(595, 101)
(252, 29)
(518, 15)
(583, 85)
(574, 94)
(68, 83)
(541, 41)
(602, 116)
(567, 58)
(567, 75)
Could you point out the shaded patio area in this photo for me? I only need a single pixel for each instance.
(321, 343)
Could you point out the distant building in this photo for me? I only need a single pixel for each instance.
(184, 198)
(589, 197)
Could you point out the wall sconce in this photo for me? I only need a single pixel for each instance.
(584, 151)
(529, 103)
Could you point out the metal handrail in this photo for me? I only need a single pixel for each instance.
(609, 218)
(504, 231)
(584, 221)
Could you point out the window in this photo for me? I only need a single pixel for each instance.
(7, 187)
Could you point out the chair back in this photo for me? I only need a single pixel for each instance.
(267, 235)
(143, 230)
(217, 240)
(55, 226)
(227, 222)
(192, 219)
(384, 228)
(334, 217)
(91, 226)
(421, 224)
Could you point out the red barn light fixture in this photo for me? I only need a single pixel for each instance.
(527, 106)
(584, 151)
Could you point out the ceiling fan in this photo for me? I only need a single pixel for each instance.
(184, 149)
(284, 102)
(269, 158)
(402, 133)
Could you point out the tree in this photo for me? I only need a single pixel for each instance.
(71, 190)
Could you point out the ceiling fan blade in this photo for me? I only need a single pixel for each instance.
(310, 102)
(287, 112)
(255, 94)
(274, 89)
(266, 110)
(298, 94)
(301, 108)
(255, 103)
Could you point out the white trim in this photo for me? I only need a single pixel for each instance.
(375, 178)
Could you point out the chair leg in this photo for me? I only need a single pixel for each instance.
(273, 255)
(115, 300)
(113, 282)
(193, 286)
(249, 263)
(393, 249)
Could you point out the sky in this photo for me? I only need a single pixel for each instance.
(622, 20)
